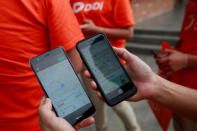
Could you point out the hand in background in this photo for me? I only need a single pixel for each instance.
(89, 27)
(172, 62)
(140, 73)
(48, 120)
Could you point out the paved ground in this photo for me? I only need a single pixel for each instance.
(169, 21)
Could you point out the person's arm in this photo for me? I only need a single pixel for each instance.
(176, 60)
(179, 99)
(117, 33)
(48, 120)
(191, 61)
(150, 86)
(75, 59)
(63, 29)
(114, 33)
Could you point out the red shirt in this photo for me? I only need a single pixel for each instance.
(188, 35)
(105, 13)
(27, 29)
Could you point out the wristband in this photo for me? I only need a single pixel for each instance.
(185, 60)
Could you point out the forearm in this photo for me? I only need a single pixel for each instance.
(192, 61)
(75, 59)
(179, 99)
(117, 33)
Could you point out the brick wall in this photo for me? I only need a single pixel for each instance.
(143, 9)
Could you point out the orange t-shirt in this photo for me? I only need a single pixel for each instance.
(105, 13)
(187, 76)
(27, 29)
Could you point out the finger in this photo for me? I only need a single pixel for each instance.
(162, 60)
(166, 70)
(93, 85)
(163, 66)
(124, 54)
(45, 112)
(45, 107)
(159, 55)
(99, 95)
(42, 101)
(83, 26)
(87, 122)
(45, 103)
(87, 74)
(170, 51)
(87, 21)
(134, 98)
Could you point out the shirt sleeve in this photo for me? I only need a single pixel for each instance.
(123, 15)
(63, 27)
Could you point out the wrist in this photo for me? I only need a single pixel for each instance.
(155, 84)
(185, 61)
(99, 29)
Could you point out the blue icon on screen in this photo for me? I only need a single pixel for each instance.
(62, 85)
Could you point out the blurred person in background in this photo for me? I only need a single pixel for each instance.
(180, 65)
(115, 19)
(29, 28)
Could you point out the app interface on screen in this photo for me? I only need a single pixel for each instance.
(106, 68)
(63, 87)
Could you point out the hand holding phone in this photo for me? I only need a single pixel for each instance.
(62, 85)
(47, 119)
(106, 69)
(140, 72)
(162, 53)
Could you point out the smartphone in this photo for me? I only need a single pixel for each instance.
(158, 55)
(155, 55)
(61, 84)
(106, 69)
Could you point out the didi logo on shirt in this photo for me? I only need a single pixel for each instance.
(191, 23)
(79, 6)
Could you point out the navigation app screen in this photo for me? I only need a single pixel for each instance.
(63, 87)
(105, 68)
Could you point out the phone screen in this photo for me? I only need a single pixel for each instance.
(105, 67)
(61, 84)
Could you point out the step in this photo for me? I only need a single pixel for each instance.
(157, 32)
(142, 48)
(154, 39)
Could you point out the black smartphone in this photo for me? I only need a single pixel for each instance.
(155, 55)
(61, 84)
(106, 69)
(158, 55)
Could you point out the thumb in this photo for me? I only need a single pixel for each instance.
(45, 105)
(134, 98)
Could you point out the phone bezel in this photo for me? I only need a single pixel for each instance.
(78, 115)
(120, 98)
